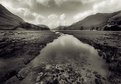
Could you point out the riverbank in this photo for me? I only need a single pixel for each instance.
(108, 46)
(53, 54)
(18, 48)
(66, 60)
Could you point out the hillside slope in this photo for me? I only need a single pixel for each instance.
(94, 22)
(114, 23)
(7, 19)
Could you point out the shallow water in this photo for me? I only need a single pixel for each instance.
(68, 49)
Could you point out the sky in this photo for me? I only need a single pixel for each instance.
(55, 13)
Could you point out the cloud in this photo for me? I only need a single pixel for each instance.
(82, 15)
(62, 12)
(102, 6)
(53, 20)
(43, 2)
(108, 6)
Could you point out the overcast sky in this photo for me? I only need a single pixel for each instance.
(59, 12)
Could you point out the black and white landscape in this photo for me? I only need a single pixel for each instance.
(60, 42)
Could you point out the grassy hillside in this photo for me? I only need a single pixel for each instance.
(94, 22)
(7, 19)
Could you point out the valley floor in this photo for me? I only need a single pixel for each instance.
(18, 49)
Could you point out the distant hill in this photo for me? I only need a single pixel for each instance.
(29, 26)
(94, 22)
(9, 21)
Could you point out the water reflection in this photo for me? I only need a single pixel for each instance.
(68, 49)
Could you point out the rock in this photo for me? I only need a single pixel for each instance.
(8, 75)
(98, 76)
(23, 73)
(38, 78)
(12, 80)
(67, 74)
(98, 81)
(55, 81)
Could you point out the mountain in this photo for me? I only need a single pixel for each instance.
(93, 22)
(29, 26)
(8, 20)
(114, 23)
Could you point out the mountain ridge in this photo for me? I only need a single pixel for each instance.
(10, 21)
(93, 22)
(7, 19)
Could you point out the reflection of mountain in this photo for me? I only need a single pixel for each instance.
(9, 21)
(96, 22)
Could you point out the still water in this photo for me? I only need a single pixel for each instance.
(68, 49)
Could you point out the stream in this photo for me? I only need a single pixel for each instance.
(82, 57)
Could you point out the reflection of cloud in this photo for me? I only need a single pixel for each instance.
(68, 49)
(38, 11)
(66, 46)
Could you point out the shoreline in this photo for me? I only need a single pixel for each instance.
(19, 49)
(110, 53)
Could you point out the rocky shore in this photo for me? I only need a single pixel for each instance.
(66, 74)
(57, 74)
